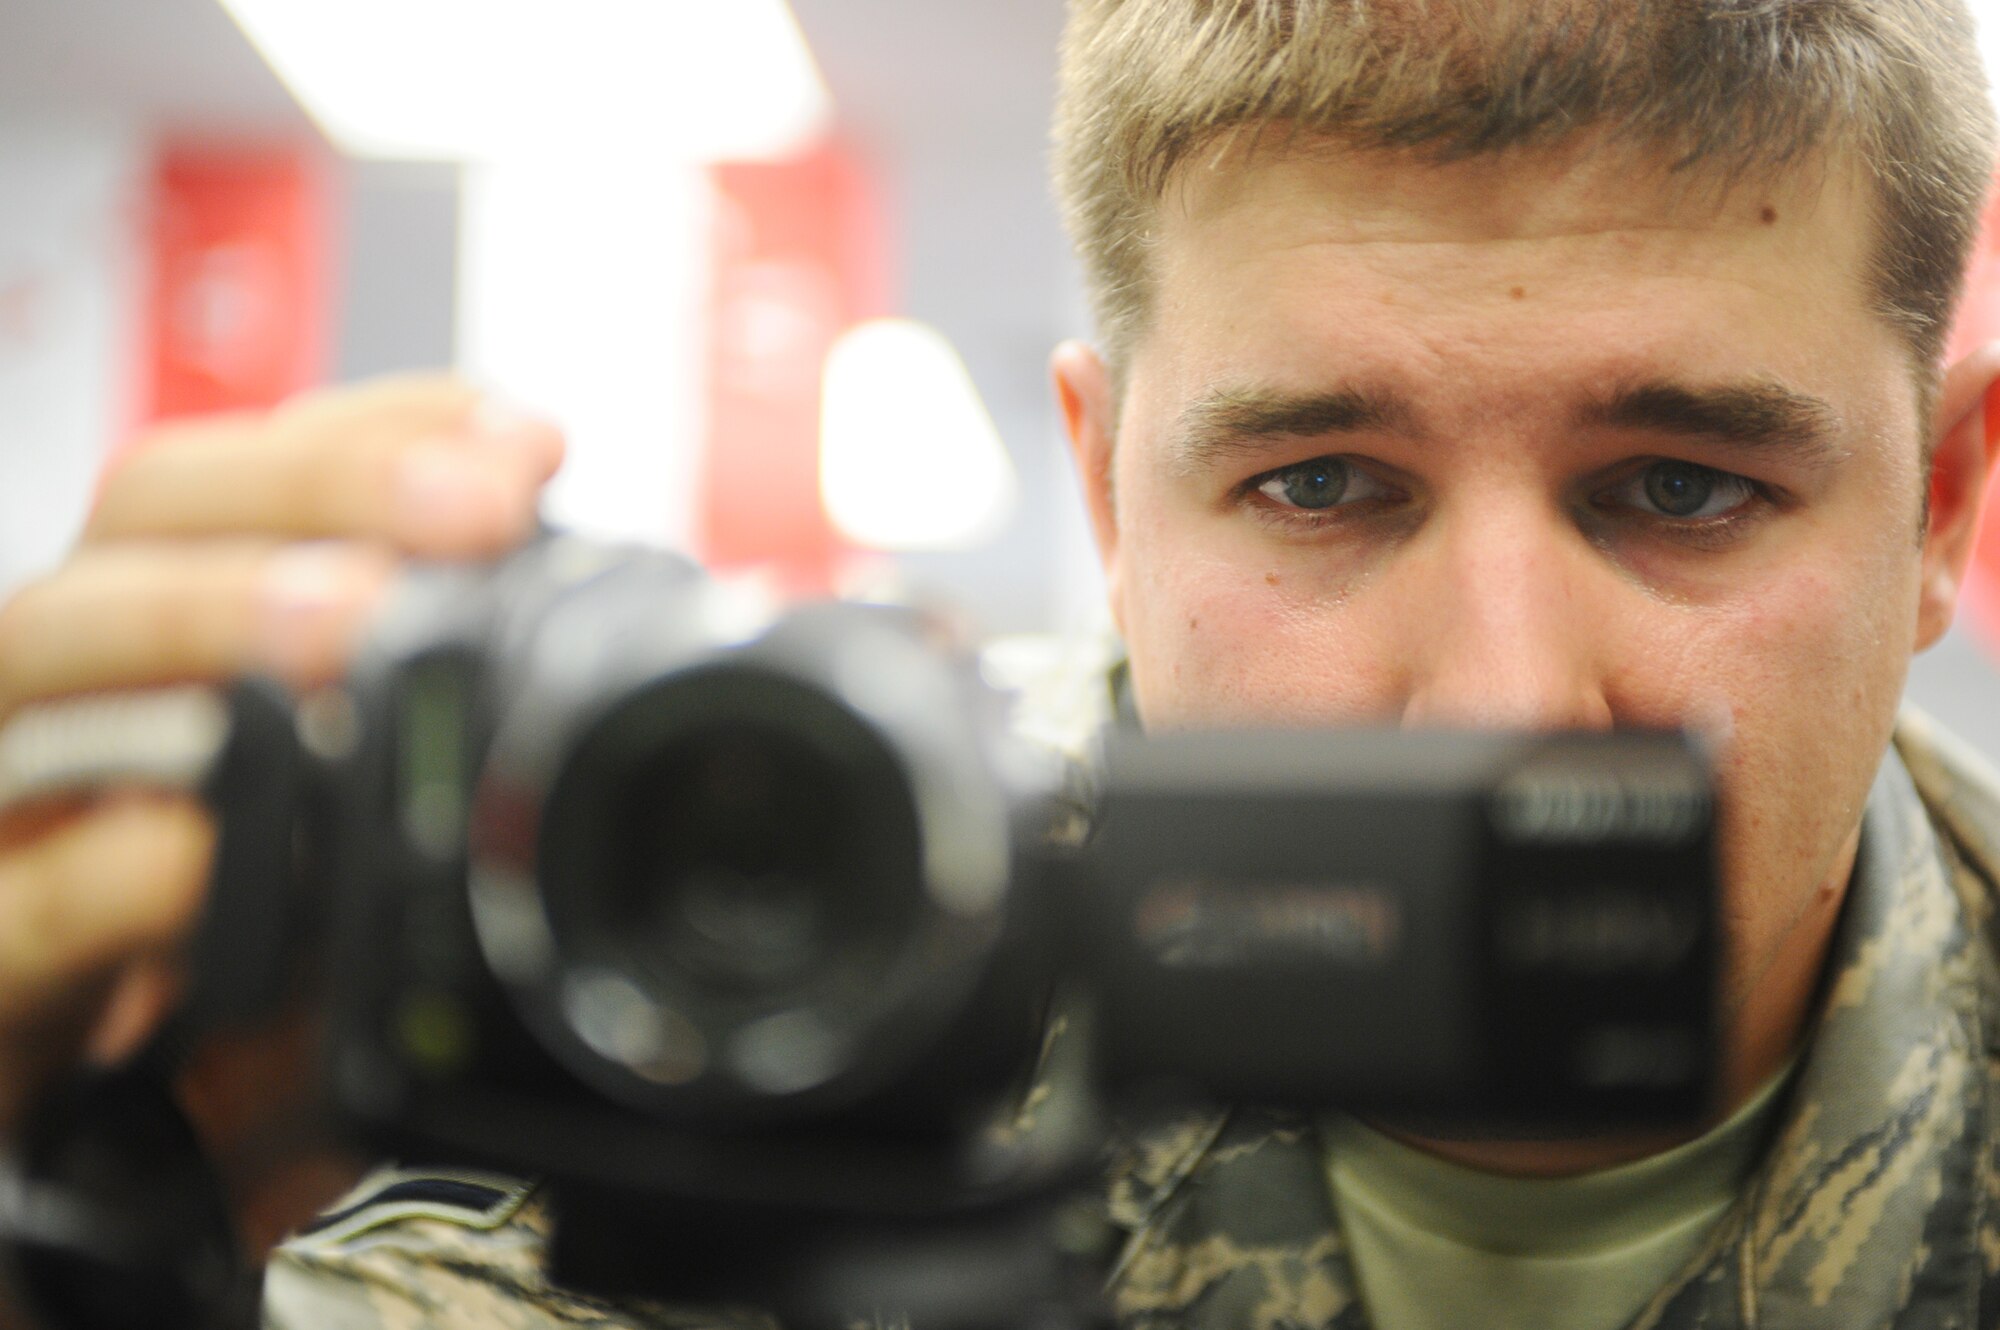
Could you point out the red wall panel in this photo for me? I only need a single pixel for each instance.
(801, 251)
(239, 304)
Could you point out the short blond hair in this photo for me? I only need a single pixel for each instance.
(1722, 89)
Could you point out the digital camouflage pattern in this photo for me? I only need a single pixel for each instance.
(1878, 1204)
(402, 1267)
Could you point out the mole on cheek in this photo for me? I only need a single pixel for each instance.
(1769, 215)
(1193, 624)
(1270, 579)
(1519, 293)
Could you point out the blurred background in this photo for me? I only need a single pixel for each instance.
(789, 276)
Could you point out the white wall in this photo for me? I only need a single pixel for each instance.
(71, 199)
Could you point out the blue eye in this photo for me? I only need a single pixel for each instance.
(1318, 484)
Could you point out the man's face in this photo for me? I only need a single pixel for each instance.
(1526, 442)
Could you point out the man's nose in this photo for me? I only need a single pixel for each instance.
(1509, 616)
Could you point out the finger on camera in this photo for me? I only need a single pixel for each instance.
(146, 614)
(118, 881)
(427, 465)
(138, 999)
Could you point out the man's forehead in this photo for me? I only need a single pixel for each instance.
(1371, 291)
(1585, 184)
(1306, 266)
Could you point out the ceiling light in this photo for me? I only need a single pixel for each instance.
(495, 79)
(1986, 22)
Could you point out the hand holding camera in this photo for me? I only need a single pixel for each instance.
(219, 547)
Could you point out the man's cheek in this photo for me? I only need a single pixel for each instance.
(1810, 682)
(1223, 645)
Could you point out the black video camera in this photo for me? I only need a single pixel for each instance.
(749, 930)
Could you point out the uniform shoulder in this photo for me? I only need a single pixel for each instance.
(1958, 786)
(447, 1249)
(467, 1198)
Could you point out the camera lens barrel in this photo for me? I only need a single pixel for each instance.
(732, 868)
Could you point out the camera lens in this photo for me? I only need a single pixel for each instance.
(742, 860)
(734, 846)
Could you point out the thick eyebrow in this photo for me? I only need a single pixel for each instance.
(1227, 422)
(1759, 414)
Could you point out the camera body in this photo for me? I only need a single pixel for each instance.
(1508, 931)
(636, 884)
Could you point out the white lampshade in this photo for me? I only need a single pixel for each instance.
(909, 456)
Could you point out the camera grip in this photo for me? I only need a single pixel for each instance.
(245, 948)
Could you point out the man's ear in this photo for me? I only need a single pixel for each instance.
(1083, 387)
(1967, 445)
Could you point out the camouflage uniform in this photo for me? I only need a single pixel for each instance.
(1878, 1203)
(449, 1250)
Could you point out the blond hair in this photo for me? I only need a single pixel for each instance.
(1722, 89)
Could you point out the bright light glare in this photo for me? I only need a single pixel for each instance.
(493, 79)
(909, 457)
(581, 293)
(1986, 17)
